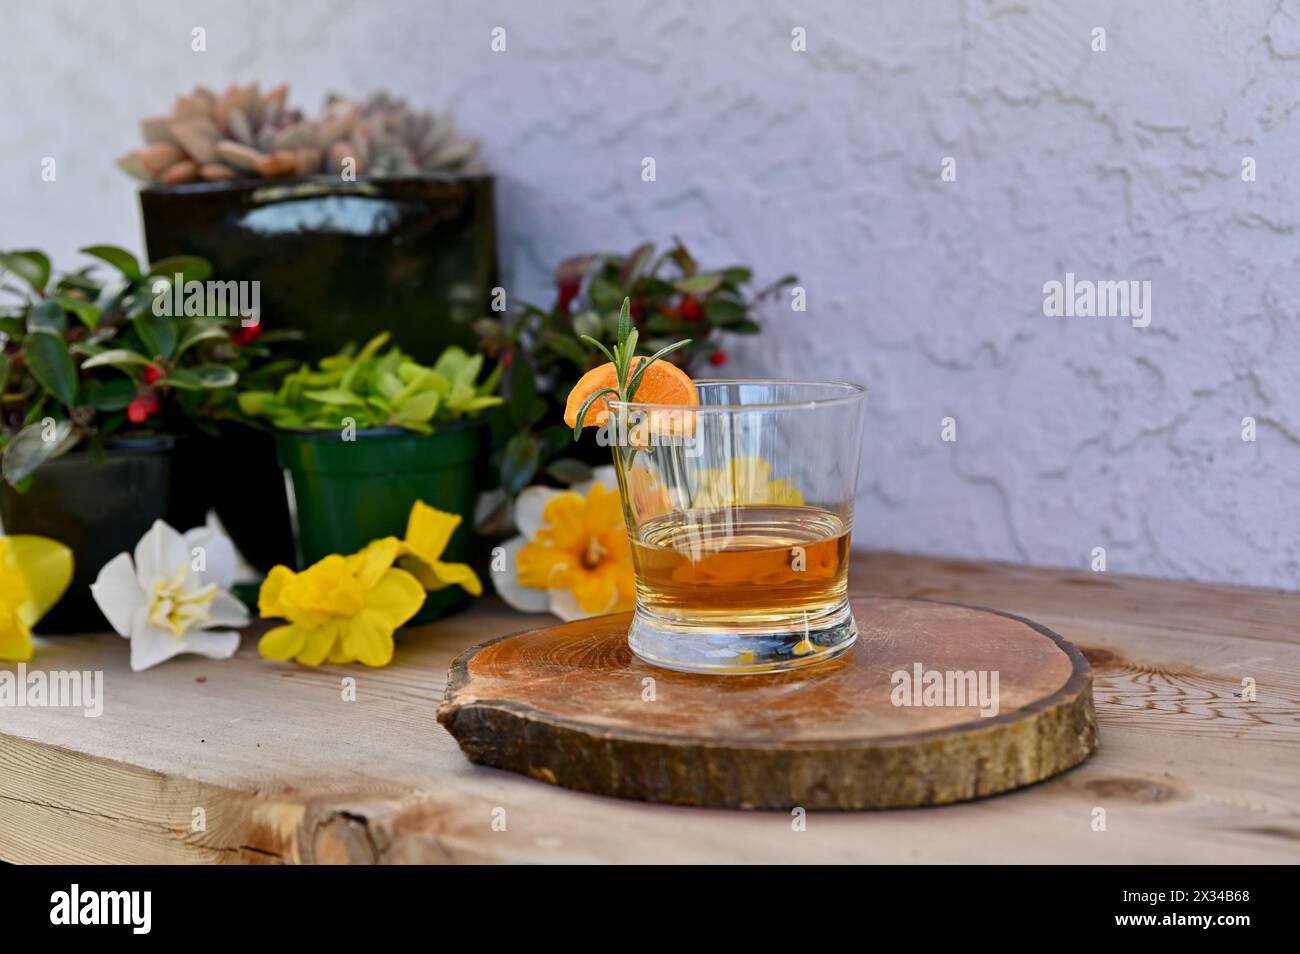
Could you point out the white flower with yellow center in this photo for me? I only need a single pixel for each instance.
(168, 597)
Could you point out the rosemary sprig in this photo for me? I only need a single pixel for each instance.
(622, 358)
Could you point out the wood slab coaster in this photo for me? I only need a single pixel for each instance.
(571, 705)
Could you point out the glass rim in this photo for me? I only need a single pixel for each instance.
(854, 392)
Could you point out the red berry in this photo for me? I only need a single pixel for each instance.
(718, 357)
(152, 373)
(691, 309)
(567, 292)
(143, 407)
(247, 334)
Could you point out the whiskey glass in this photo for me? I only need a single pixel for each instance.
(740, 514)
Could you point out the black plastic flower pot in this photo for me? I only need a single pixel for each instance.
(100, 506)
(237, 475)
(345, 494)
(343, 261)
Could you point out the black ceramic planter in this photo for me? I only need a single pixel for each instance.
(236, 474)
(99, 508)
(343, 261)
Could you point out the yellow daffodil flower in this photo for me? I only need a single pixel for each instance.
(428, 531)
(745, 481)
(34, 573)
(573, 557)
(340, 609)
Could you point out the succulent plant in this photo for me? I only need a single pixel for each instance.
(245, 133)
(240, 133)
(388, 138)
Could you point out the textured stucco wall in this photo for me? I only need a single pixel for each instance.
(1123, 164)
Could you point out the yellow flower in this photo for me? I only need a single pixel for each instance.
(744, 481)
(576, 561)
(340, 609)
(34, 572)
(346, 609)
(428, 531)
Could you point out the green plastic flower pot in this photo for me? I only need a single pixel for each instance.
(345, 493)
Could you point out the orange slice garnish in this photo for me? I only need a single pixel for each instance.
(663, 383)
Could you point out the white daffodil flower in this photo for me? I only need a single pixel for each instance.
(169, 597)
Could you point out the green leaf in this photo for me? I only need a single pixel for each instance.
(744, 327)
(526, 407)
(724, 311)
(48, 316)
(604, 293)
(634, 266)
(199, 331)
(389, 385)
(158, 334)
(51, 365)
(566, 345)
(112, 395)
(4, 371)
(624, 321)
(555, 438)
(480, 402)
(586, 406)
(191, 268)
(215, 375)
(492, 382)
(468, 373)
(31, 266)
(416, 378)
(626, 352)
(418, 409)
(119, 258)
(704, 284)
(569, 470)
(182, 379)
(456, 365)
(603, 350)
(519, 462)
(86, 311)
(337, 397)
(257, 403)
(737, 276)
(461, 394)
(372, 347)
(33, 446)
(584, 323)
(116, 358)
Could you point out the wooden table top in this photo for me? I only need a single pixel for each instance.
(251, 761)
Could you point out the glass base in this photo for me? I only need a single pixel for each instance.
(742, 650)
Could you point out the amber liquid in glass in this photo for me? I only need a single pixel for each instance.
(742, 565)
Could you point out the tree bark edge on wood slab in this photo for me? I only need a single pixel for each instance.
(553, 704)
